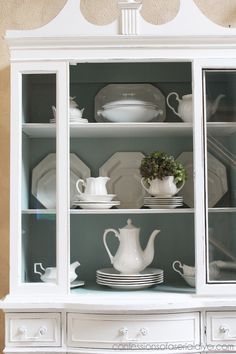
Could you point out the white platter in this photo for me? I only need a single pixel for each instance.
(217, 179)
(127, 93)
(129, 287)
(78, 170)
(123, 170)
(113, 272)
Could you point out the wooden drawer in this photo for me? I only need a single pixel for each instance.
(221, 327)
(113, 331)
(33, 329)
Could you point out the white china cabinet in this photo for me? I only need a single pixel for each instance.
(46, 310)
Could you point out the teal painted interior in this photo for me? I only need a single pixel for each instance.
(175, 241)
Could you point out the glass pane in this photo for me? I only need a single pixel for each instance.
(106, 148)
(38, 178)
(220, 106)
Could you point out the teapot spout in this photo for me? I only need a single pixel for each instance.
(148, 253)
(215, 104)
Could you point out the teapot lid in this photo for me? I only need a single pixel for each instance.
(129, 225)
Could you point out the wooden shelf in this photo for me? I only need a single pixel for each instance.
(112, 130)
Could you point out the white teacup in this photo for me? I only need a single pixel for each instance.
(93, 185)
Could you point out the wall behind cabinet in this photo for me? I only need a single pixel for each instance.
(26, 14)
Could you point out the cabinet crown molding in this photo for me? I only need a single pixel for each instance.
(70, 23)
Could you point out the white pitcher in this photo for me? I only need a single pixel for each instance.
(93, 185)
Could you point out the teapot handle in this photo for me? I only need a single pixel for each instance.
(169, 105)
(105, 242)
(177, 263)
(35, 268)
(143, 185)
(77, 185)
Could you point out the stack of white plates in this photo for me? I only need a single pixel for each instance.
(89, 201)
(163, 202)
(112, 278)
(73, 119)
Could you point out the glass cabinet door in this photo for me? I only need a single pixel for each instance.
(35, 173)
(220, 171)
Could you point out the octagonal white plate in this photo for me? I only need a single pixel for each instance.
(217, 179)
(77, 167)
(46, 188)
(123, 170)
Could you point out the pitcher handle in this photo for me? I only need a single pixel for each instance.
(175, 263)
(179, 189)
(35, 268)
(77, 185)
(143, 185)
(105, 242)
(169, 105)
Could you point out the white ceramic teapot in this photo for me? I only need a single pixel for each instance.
(50, 273)
(185, 106)
(165, 187)
(130, 258)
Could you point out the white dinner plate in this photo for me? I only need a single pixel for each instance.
(77, 167)
(130, 281)
(217, 179)
(123, 170)
(129, 287)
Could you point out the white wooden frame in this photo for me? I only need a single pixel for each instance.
(62, 153)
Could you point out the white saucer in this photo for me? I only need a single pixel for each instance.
(76, 283)
(85, 205)
(95, 198)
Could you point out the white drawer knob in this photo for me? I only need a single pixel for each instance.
(143, 331)
(123, 331)
(225, 330)
(22, 330)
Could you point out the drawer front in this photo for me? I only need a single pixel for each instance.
(221, 327)
(33, 329)
(115, 331)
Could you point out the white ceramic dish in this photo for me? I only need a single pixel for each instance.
(97, 205)
(95, 198)
(77, 167)
(123, 170)
(162, 206)
(217, 179)
(129, 281)
(139, 94)
(130, 113)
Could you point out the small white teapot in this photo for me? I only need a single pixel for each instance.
(165, 187)
(185, 106)
(75, 112)
(130, 258)
(50, 273)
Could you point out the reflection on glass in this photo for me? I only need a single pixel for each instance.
(220, 109)
(38, 199)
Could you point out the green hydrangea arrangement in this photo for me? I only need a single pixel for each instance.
(160, 165)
